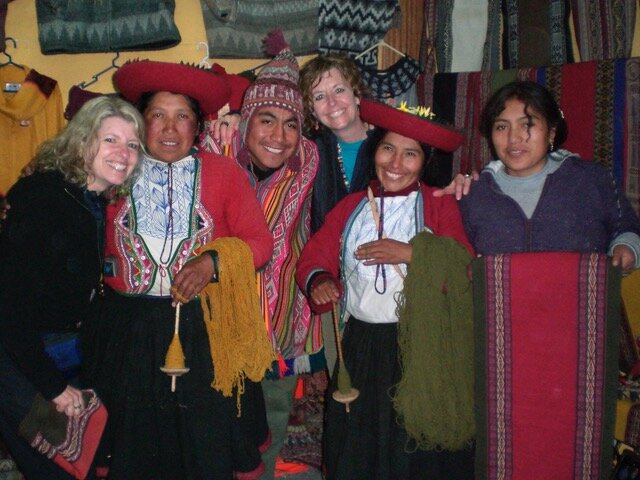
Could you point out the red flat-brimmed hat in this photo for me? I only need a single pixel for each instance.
(238, 83)
(413, 126)
(210, 88)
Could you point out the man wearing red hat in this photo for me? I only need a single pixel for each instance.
(181, 200)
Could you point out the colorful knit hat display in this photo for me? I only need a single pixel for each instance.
(277, 83)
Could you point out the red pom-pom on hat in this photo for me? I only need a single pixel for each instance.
(274, 43)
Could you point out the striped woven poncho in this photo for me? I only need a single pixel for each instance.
(285, 197)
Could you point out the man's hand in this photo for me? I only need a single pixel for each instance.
(223, 128)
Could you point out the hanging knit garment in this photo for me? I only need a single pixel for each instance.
(106, 26)
(351, 26)
(392, 82)
(240, 347)
(434, 398)
(236, 28)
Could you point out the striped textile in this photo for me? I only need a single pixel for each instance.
(604, 121)
(561, 51)
(604, 30)
(512, 40)
(427, 54)
(600, 102)
(492, 54)
(546, 328)
(80, 434)
(630, 112)
(285, 197)
(444, 35)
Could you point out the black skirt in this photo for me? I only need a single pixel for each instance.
(152, 432)
(369, 442)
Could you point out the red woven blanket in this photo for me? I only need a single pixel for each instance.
(547, 327)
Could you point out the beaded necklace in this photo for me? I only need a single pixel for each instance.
(342, 170)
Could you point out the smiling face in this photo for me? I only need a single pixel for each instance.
(172, 126)
(272, 136)
(336, 106)
(118, 147)
(521, 139)
(398, 161)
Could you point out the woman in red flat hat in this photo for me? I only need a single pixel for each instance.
(359, 258)
(155, 259)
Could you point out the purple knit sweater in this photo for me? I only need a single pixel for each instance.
(580, 209)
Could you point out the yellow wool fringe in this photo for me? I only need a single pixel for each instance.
(175, 355)
(238, 339)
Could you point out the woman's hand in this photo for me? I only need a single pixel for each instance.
(326, 291)
(69, 402)
(460, 185)
(387, 251)
(191, 279)
(623, 257)
(223, 128)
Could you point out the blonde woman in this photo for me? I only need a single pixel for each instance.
(50, 257)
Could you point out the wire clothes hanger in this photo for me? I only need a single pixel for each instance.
(381, 43)
(204, 63)
(95, 78)
(9, 59)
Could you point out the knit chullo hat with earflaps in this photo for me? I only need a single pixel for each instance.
(277, 83)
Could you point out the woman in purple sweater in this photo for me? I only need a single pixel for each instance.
(536, 197)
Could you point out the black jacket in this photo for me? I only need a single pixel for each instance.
(49, 266)
(328, 186)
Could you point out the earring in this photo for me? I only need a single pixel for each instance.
(551, 145)
(316, 126)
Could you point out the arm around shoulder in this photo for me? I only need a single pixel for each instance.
(228, 195)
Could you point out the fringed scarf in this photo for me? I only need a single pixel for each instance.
(239, 344)
(434, 398)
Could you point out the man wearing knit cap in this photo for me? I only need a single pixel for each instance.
(281, 165)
